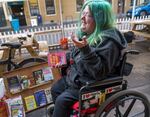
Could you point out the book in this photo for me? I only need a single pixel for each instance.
(47, 73)
(17, 110)
(30, 102)
(57, 58)
(24, 82)
(48, 95)
(15, 107)
(14, 84)
(40, 98)
(2, 88)
(38, 76)
(32, 82)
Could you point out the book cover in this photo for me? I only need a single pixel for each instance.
(32, 82)
(2, 88)
(14, 84)
(48, 95)
(57, 57)
(47, 73)
(40, 98)
(15, 107)
(38, 76)
(30, 102)
(17, 110)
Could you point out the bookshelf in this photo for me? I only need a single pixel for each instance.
(28, 71)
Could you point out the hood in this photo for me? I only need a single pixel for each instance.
(116, 36)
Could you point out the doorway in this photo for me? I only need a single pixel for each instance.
(17, 11)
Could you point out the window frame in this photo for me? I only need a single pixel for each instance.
(30, 8)
(77, 4)
(54, 8)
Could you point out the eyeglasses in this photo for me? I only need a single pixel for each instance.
(86, 14)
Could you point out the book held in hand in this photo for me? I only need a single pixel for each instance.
(57, 58)
(38, 76)
(47, 73)
(14, 84)
(40, 98)
(30, 102)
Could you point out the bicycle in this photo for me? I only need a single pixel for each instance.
(10, 64)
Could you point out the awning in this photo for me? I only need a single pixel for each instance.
(15, 3)
(10, 0)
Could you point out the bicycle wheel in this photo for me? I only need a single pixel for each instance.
(128, 103)
(30, 62)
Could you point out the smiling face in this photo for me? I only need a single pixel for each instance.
(87, 21)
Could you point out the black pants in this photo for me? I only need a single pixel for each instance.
(64, 97)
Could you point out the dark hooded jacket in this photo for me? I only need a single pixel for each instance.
(92, 63)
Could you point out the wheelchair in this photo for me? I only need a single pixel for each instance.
(110, 97)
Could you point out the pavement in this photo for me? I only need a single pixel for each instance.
(139, 79)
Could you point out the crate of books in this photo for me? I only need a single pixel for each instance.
(33, 84)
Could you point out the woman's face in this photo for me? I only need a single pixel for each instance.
(87, 21)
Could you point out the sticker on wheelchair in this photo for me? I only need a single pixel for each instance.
(94, 99)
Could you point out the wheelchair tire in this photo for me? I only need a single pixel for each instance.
(31, 61)
(125, 99)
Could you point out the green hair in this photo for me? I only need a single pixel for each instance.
(103, 16)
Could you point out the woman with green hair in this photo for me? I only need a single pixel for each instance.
(95, 56)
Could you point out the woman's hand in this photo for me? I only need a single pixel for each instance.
(79, 44)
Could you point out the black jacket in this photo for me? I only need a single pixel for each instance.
(92, 63)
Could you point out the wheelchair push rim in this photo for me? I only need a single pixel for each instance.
(127, 103)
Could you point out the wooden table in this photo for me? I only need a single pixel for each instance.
(145, 31)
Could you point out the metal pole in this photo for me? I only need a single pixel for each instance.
(61, 18)
(133, 9)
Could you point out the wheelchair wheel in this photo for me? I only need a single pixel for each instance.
(126, 103)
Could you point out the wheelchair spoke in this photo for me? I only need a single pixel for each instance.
(129, 108)
(118, 113)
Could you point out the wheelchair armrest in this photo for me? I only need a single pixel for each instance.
(104, 82)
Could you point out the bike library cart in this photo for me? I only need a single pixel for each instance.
(29, 87)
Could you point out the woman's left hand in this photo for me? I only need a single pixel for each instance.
(80, 44)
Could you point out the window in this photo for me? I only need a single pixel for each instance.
(132, 1)
(50, 7)
(79, 4)
(34, 8)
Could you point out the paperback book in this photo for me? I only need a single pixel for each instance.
(47, 73)
(17, 110)
(48, 95)
(56, 58)
(15, 107)
(38, 76)
(14, 84)
(30, 102)
(40, 98)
